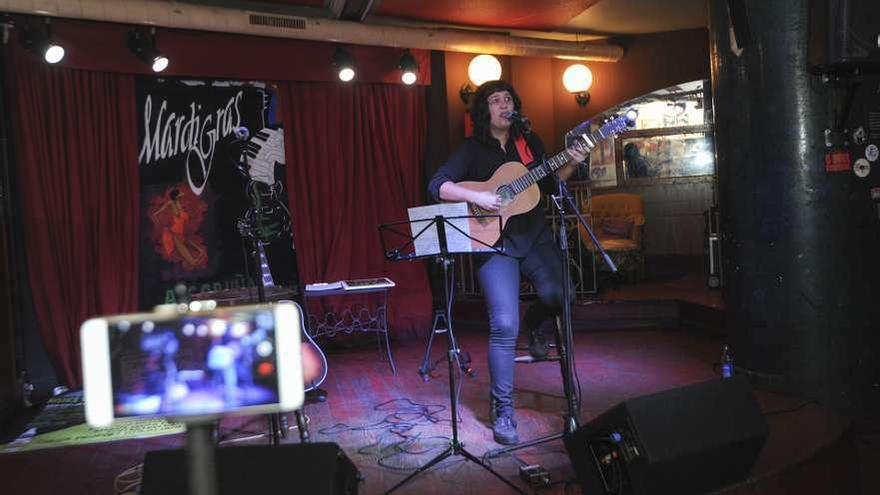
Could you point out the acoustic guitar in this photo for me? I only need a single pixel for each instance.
(313, 358)
(517, 185)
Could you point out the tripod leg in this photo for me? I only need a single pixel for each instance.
(303, 427)
(425, 369)
(274, 425)
(473, 458)
(567, 371)
(428, 465)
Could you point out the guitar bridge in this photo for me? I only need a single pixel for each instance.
(476, 210)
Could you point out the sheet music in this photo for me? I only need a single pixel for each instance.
(427, 244)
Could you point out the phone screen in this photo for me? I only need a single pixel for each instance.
(184, 365)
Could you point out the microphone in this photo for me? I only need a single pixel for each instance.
(241, 132)
(519, 118)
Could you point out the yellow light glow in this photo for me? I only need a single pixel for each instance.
(577, 78)
(484, 68)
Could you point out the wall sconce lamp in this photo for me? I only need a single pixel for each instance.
(38, 39)
(344, 63)
(143, 45)
(409, 68)
(481, 69)
(577, 79)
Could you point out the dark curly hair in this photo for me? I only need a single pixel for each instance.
(480, 110)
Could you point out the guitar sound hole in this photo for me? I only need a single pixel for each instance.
(506, 193)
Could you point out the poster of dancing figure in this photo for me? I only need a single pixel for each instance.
(211, 160)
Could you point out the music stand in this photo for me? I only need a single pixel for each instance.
(442, 232)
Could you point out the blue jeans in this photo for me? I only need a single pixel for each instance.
(500, 280)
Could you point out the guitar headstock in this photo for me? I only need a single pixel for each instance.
(610, 128)
(619, 124)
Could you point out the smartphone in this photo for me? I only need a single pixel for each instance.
(191, 365)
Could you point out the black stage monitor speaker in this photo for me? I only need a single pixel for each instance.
(684, 441)
(312, 468)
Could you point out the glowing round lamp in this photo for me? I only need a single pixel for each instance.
(408, 78)
(484, 68)
(160, 63)
(577, 79)
(346, 74)
(53, 53)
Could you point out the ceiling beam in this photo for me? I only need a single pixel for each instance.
(162, 13)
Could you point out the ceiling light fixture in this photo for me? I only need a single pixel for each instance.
(409, 68)
(482, 68)
(38, 39)
(344, 64)
(143, 45)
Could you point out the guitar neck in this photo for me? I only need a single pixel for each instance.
(553, 164)
(265, 273)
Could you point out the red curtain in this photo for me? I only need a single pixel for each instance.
(354, 160)
(76, 148)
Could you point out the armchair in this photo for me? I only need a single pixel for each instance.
(618, 221)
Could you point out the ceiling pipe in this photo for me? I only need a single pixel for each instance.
(170, 14)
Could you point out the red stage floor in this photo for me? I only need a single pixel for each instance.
(809, 450)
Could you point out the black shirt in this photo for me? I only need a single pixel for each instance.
(475, 161)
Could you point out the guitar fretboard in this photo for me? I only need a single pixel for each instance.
(537, 173)
(265, 273)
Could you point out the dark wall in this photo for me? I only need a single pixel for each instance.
(8, 388)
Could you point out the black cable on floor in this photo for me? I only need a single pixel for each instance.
(403, 417)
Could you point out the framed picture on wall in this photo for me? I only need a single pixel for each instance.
(603, 165)
(672, 139)
(666, 154)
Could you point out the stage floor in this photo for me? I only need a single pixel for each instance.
(389, 425)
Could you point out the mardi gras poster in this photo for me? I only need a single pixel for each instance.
(212, 170)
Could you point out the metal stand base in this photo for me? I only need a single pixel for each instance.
(454, 448)
(278, 427)
(464, 359)
(452, 357)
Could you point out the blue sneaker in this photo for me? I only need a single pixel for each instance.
(504, 429)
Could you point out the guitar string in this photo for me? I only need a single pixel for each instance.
(526, 180)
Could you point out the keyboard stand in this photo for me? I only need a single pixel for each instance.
(351, 319)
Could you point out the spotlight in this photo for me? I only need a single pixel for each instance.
(344, 63)
(409, 68)
(143, 45)
(38, 39)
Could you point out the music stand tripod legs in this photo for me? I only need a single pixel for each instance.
(462, 358)
(443, 255)
(455, 446)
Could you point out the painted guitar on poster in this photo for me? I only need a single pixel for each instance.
(517, 185)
